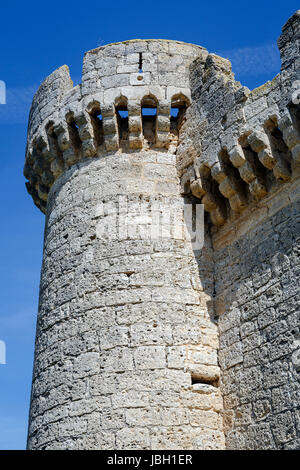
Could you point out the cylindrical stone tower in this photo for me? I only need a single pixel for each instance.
(126, 344)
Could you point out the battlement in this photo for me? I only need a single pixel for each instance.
(233, 147)
(232, 174)
(248, 143)
(124, 103)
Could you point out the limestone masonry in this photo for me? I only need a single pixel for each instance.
(148, 342)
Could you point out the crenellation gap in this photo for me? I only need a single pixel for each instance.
(73, 130)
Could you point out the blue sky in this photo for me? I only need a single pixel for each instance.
(38, 37)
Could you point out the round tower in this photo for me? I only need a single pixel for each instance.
(126, 343)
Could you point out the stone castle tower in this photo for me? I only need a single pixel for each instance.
(148, 342)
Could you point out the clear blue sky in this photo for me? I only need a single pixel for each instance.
(38, 37)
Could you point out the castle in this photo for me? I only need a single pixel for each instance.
(150, 342)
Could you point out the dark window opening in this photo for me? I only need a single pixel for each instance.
(122, 120)
(97, 124)
(149, 119)
(205, 380)
(178, 108)
(73, 132)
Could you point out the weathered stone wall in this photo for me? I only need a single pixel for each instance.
(123, 323)
(126, 350)
(64, 121)
(258, 300)
(239, 154)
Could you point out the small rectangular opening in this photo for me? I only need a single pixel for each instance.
(205, 380)
(74, 132)
(97, 123)
(149, 116)
(179, 105)
(122, 120)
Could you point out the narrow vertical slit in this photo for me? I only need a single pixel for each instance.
(73, 132)
(140, 62)
(149, 119)
(204, 380)
(121, 110)
(97, 124)
(179, 105)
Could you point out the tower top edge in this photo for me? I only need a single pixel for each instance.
(137, 40)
